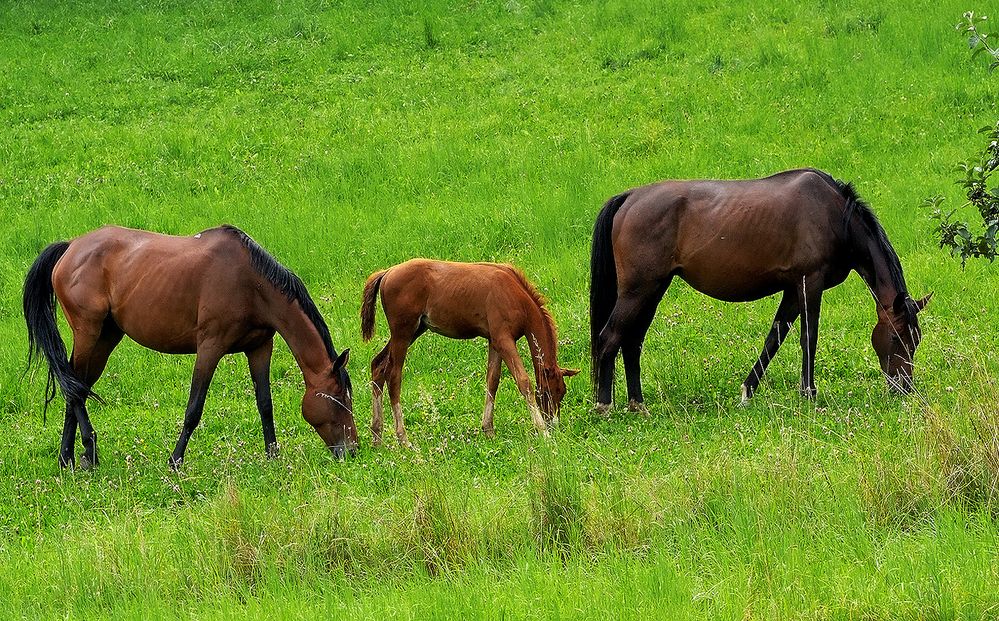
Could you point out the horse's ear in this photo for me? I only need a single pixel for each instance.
(898, 306)
(923, 301)
(569, 372)
(341, 360)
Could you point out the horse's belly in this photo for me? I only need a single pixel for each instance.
(168, 339)
(731, 286)
(454, 330)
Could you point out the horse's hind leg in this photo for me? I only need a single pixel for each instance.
(493, 369)
(397, 358)
(787, 312)
(378, 378)
(66, 448)
(631, 349)
(621, 328)
(91, 349)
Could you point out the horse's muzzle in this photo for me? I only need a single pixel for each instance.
(901, 384)
(342, 450)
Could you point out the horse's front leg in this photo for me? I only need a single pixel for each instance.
(810, 302)
(787, 312)
(507, 349)
(494, 367)
(204, 368)
(260, 372)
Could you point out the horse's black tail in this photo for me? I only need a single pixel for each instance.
(43, 331)
(603, 278)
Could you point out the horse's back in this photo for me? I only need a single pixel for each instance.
(732, 239)
(454, 299)
(155, 287)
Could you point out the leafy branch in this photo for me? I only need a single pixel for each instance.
(981, 192)
(978, 41)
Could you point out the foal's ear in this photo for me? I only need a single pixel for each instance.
(569, 372)
(341, 360)
(923, 301)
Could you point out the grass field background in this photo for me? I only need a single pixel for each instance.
(346, 137)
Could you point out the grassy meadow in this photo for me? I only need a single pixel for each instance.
(349, 136)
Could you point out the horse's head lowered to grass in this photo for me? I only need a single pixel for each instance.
(896, 337)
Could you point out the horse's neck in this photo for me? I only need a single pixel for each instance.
(303, 339)
(872, 263)
(540, 341)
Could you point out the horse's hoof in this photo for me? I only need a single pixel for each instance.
(67, 462)
(87, 464)
(489, 433)
(273, 451)
(639, 408)
(175, 463)
(602, 409)
(809, 393)
(746, 394)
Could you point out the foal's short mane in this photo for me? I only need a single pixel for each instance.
(540, 300)
(285, 281)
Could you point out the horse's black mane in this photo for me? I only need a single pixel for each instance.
(856, 206)
(285, 281)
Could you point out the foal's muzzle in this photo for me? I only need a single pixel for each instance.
(343, 450)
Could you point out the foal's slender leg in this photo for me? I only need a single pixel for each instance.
(787, 312)
(810, 300)
(260, 372)
(397, 358)
(493, 370)
(204, 369)
(378, 378)
(507, 349)
(91, 350)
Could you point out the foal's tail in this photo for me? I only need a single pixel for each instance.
(603, 278)
(368, 300)
(43, 332)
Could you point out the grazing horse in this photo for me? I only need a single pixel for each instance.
(797, 233)
(463, 301)
(210, 294)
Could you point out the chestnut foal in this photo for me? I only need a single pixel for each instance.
(463, 301)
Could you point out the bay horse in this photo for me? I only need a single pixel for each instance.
(464, 301)
(211, 294)
(797, 233)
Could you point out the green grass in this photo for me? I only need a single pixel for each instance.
(346, 137)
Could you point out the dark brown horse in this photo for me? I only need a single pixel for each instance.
(210, 294)
(797, 233)
(463, 301)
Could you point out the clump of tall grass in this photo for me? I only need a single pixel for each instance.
(558, 513)
(241, 537)
(441, 531)
(898, 487)
(968, 458)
